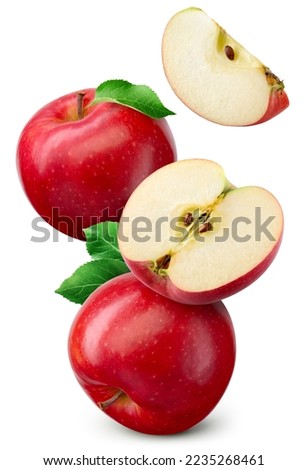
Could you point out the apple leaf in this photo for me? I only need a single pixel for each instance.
(102, 242)
(140, 97)
(107, 263)
(89, 277)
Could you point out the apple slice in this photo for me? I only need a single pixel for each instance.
(215, 76)
(192, 236)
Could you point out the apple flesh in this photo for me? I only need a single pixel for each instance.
(78, 165)
(215, 76)
(192, 236)
(153, 365)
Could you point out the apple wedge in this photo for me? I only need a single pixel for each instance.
(215, 76)
(190, 235)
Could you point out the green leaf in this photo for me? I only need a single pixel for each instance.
(102, 246)
(102, 242)
(89, 277)
(140, 97)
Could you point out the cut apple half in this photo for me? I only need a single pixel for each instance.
(215, 76)
(192, 236)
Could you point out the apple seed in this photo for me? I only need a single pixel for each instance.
(206, 227)
(163, 262)
(188, 219)
(229, 51)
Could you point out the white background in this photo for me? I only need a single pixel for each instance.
(50, 48)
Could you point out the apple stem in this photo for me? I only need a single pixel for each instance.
(80, 108)
(104, 404)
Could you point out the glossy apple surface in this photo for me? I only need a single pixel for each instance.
(153, 365)
(217, 77)
(191, 235)
(80, 170)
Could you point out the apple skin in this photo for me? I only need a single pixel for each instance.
(278, 102)
(78, 172)
(172, 361)
(165, 287)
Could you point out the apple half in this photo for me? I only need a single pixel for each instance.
(215, 76)
(190, 235)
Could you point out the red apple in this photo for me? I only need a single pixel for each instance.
(153, 365)
(215, 76)
(78, 168)
(191, 235)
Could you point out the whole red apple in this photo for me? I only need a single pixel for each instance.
(153, 365)
(79, 164)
